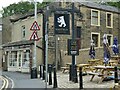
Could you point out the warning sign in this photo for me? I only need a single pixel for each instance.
(34, 36)
(35, 26)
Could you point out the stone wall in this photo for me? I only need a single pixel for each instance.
(83, 56)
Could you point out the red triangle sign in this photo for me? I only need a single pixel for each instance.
(35, 26)
(34, 36)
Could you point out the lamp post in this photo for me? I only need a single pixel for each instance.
(46, 46)
(34, 67)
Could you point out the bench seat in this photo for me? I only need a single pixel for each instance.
(93, 73)
(64, 69)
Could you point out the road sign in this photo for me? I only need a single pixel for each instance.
(34, 36)
(35, 26)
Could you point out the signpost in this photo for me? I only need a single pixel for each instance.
(34, 37)
(61, 23)
(73, 48)
(61, 26)
(46, 47)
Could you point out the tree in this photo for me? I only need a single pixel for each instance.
(20, 8)
(116, 4)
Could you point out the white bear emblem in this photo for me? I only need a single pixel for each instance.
(61, 21)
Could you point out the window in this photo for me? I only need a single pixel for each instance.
(78, 36)
(96, 38)
(26, 57)
(109, 20)
(78, 32)
(110, 39)
(95, 17)
(13, 58)
(23, 31)
(19, 59)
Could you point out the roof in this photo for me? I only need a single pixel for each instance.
(100, 6)
(18, 43)
(25, 15)
(88, 4)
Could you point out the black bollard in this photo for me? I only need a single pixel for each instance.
(50, 74)
(70, 73)
(40, 71)
(33, 73)
(80, 78)
(75, 74)
(115, 75)
(43, 76)
(55, 78)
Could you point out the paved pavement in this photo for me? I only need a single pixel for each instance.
(23, 81)
(63, 82)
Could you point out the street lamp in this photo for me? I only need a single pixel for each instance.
(34, 67)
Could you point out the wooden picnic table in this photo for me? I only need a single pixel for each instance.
(66, 67)
(68, 64)
(85, 67)
(113, 62)
(116, 57)
(94, 62)
(102, 71)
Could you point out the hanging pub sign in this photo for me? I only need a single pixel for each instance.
(73, 47)
(61, 23)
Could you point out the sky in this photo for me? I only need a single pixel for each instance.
(5, 3)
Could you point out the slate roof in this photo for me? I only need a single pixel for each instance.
(26, 15)
(100, 6)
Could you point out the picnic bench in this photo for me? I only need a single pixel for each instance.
(113, 62)
(66, 67)
(101, 71)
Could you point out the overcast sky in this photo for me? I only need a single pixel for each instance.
(5, 3)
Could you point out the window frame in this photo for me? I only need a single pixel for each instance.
(25, 58)
(98, 37)
(111, 20)
(23, 30)
(97, 19)
(12, 59)
(111, 39)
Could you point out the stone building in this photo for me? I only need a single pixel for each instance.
(19, 52)
(91, 21)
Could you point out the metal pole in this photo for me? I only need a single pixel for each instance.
(56, 52)
(35, 41)
(46, 49)
(73, 36)
(34, 68)
(34, 58)
(80, 78)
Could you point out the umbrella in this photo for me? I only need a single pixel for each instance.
(92, 50)
(106, 49)
(115, 46)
